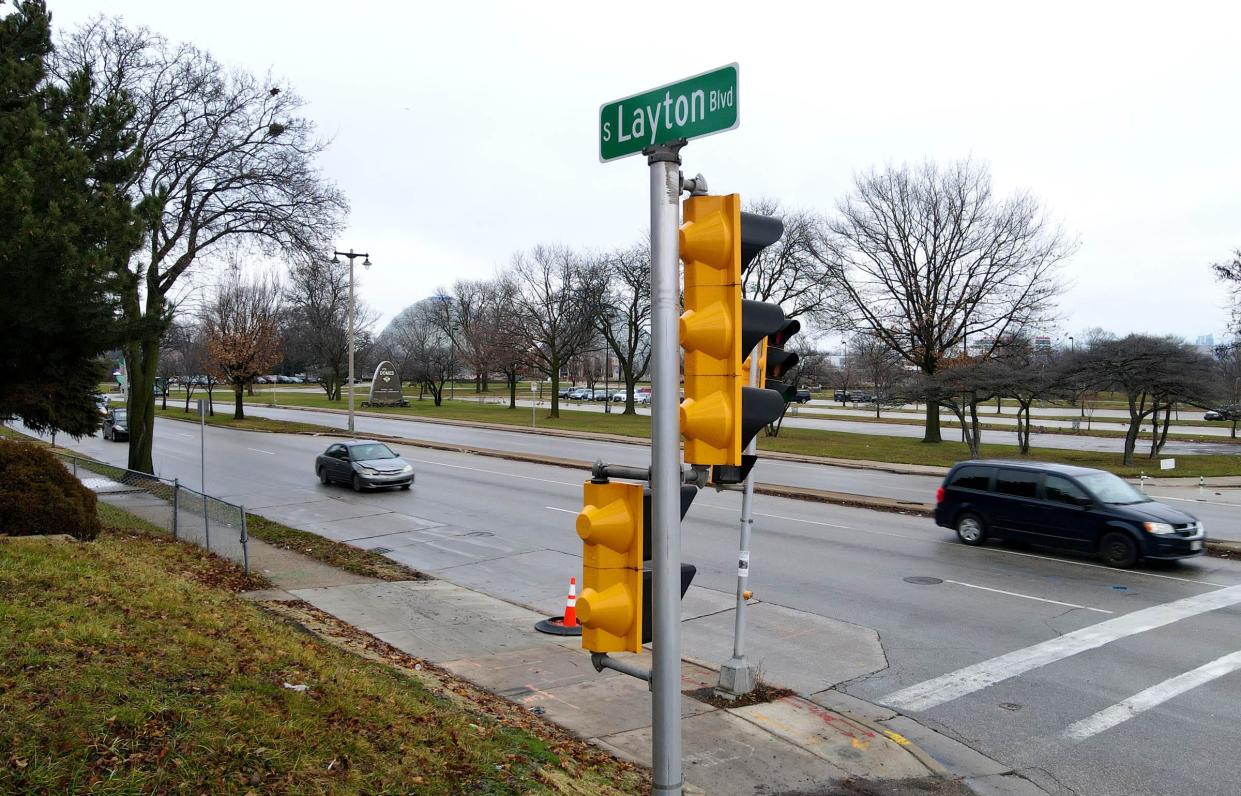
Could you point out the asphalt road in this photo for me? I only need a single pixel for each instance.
(1096, 680)
(1222, 518)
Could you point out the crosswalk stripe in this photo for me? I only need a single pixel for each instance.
(1153, 697)
(945, 688)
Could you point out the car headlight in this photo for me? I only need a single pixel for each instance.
(368, 470)
(409, 468)
(1157, 527)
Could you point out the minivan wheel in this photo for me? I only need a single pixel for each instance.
(1118, 550)
(971, 530)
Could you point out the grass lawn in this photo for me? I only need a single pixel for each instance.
(127, 665)
(224, 419)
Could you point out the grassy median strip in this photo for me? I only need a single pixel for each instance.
(336, 554)
(224, 419)
(127, 665)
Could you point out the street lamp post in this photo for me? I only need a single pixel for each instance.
(366, 263)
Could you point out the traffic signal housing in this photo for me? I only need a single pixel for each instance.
(614, 607)
(720, 414)
(610, 605)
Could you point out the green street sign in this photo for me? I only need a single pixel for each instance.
(690, 108)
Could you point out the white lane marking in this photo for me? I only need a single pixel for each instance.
(566, 511)
(256, 450)
(1153, 697)
(1196, 500)
(492, 472)
(179, 434)
(1028, 596)
(945, 688)
(966, 550)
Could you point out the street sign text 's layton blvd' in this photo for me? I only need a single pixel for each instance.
(690, 108)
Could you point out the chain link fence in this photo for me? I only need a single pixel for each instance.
(211, 523)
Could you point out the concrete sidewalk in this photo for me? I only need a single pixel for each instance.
(802, 741)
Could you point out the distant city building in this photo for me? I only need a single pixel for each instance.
(1206, 343)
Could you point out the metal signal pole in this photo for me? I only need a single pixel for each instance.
(665, 482)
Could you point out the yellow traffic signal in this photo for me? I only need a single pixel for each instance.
(610, 605)
(711, 329)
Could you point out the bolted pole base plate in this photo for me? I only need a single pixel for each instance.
(736, 679)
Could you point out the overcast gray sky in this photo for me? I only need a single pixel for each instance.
(463, 131)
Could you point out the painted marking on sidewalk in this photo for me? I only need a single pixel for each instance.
(1028, 597)
(257, 450)
(1153, 697)
(937, 691)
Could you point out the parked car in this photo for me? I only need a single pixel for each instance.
(861, 397)
(116, 425)
(643, 397)
(363, 464)
(840, 395)
(102, 402)
(579, 394)
(563, 392)
(1213, 414)
(802, 397)
(619, 396)
(1074, 509)
(600, 395)
(1223, 413)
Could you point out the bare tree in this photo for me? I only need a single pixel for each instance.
(787, 272)
(243, 339)
(553, 309)
(960, 383)
(877, 365)
(1229, 273)
(1228, 361)
(623, 279)
(419, 337)
(1026, 375)
(503, 326)
(227, 160)
(926, 258)
(1154, 373)
(317, 331)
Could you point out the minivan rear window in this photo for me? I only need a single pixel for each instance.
(972, 478)
(1017, 483)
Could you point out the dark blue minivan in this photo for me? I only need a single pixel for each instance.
(1075, 509)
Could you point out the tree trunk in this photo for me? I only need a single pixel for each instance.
(142, 357)
(1161, 438)
(975, 437)
(239, 413)
(555, 374)
(999, 404)
(630, 382)
(1234, 428)
(250, 389)
(932, 422)
(512, 388)
(1131, 438)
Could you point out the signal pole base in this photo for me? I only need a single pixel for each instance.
(736, 679)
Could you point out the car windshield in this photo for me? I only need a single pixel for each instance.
(374, 450)
(1109, 488)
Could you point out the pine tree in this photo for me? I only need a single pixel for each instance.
(65, 225)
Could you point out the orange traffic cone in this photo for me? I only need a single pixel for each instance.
(570, 605)
(568, 624)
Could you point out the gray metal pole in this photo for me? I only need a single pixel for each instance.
(736, 677)
(176, 498)
(245, 542)
(666, 468)
(349, 385)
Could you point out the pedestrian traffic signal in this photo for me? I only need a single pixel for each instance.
(610, 605)
(720, 415)
(614, 608)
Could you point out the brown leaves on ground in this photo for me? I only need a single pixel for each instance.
(572, 751)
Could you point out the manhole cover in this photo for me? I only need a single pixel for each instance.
(381, 550)
(1010, 706)
(923, 580)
